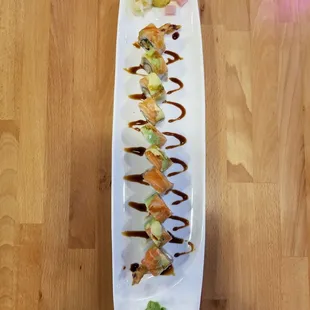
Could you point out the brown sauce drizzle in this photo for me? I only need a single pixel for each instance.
(168, 272)
(137, 206)
(180, 162)
(175, 56)
(136, 150)
(124, 267)
(137, 45)
(184, 253)
(139, 122)
(181, 138)
(176, 81)
(181, 219)
(135, 234)
(134, 70)
(178, 105)
(175, 239)
(137, 96)
(134, 267)
(175, 36)
(181, 194)
(136, 178)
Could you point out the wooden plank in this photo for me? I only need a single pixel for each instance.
(287, 11)
(31, 175)
(240, 241)
(86, 119)
(239, 107)
(295, 285)
(107, 26)
(212, 12)
(215, 273)
(58, 157)
(264, 94)
(29, 267)
(9, 215)
(214, 304)
(267, 246)
(84, 184)
(11, 47)
(262, 10)
(80, 281)
(237, 15)
(292, 156)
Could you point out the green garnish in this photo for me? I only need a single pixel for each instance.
(152, 305)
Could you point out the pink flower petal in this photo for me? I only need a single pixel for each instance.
(170, 9)
(181, 2)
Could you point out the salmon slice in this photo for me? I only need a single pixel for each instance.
(157, 208)
(151, 111)
(157, 180)
(158, 158)
(156, 261)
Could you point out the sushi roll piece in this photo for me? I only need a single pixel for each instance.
(152, 39)
(154, 62)
(152, 86)
(156, 261)
(152, 135)
(169, 28)
(157, 208)
(156, 232)
(158, 158)
(157, 180)
(151, 111)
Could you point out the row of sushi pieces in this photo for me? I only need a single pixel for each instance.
(156, 260)
(152, 40)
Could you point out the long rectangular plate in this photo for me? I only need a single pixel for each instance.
(183, 290)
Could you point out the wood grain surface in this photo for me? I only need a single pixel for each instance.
(56, 99)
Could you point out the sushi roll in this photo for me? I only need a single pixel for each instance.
(158, 158)
(152, 39)
(156, 261)
(151, 111)
(152, 86)
(154, 62)
(157, 180)
(156, 232)
(157, 208)
(152, 135)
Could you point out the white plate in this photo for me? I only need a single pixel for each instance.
(183, 290)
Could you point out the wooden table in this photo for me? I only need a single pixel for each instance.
(56, 93)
